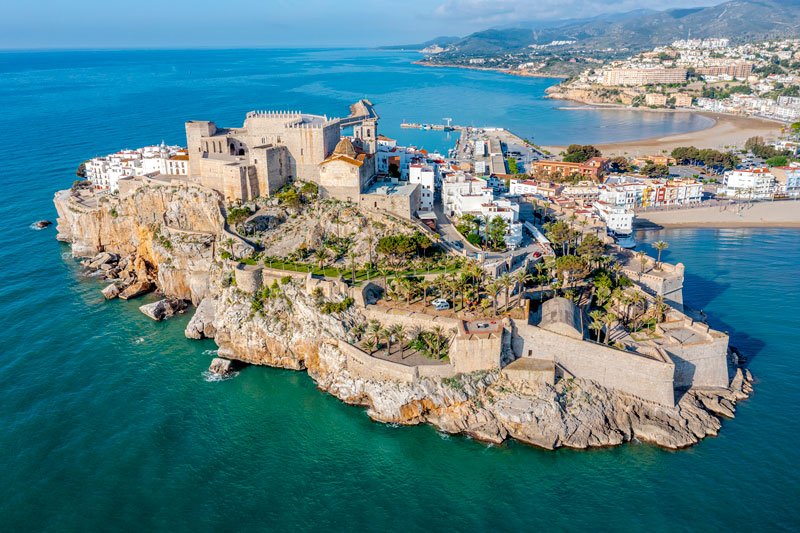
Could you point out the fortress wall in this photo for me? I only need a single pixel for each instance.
(365, 366)
(633, 374)
(471, 355)
(409, 319)
(436, 371)
(701, 365)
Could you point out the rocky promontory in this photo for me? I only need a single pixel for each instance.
(176, 238)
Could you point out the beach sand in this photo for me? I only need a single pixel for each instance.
(784, 214)
(727, 131)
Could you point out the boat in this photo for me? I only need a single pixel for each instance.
(625, 241)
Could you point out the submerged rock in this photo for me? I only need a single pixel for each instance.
(164, 308)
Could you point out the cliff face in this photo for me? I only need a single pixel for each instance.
(285, 333)
(170, 233)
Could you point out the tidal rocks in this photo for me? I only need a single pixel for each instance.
(221, 367)
(41, 224)
(164, 308)
(136, 289)
(111, 292)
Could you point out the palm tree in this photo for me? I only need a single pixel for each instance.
(321, 255)
(637, 299)
(369, 345)
(506, 282)
(494, 287)
(374, 330)
(386, 333)
(425, 285)
(358, 330)
(398, 332)
(642, 257)
(521, 277)
(660, 246)
(609, 319)
(411, 335)
(597, 323)
(407, 288)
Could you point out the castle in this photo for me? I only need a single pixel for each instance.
(273, 148)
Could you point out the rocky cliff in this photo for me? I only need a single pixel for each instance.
(170, 235)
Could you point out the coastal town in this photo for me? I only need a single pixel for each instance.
(469, 290)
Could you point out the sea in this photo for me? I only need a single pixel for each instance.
(109, 421)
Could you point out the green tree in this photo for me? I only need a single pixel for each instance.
(660, 246)
(496, 232)
(577, 153)
(597, 323)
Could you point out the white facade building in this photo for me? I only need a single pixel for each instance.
(105, 172)
(425, 175)
(753, 184)
(617, 219)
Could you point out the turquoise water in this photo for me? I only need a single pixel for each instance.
(108, 422)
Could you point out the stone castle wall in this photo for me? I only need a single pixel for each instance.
(630, 373)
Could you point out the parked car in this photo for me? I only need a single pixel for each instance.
(440, 304)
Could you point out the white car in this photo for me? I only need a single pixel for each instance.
(440, 304)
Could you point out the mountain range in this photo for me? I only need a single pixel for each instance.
(738, 20)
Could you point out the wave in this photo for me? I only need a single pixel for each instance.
(211, 377)
(211, 352)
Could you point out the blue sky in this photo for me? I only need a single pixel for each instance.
(295, 23)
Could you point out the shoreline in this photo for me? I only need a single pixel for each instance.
(726, 131)
(776, 214)
(510, 72)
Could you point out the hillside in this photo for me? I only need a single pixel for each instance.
(739, 20)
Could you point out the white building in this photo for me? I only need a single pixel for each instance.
(752, 184)
(526, 187)
(624, 191)
(425, 175)
(105, 172)
(617, 219)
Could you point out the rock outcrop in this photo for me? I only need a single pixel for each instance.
(201, 326)
(164, 308)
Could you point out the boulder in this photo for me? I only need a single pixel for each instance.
(136, 289)
(111, 292)
(201, 326)
(164, 308)
(220, 366)
(101, 259)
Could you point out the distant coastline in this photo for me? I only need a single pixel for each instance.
(492, 69)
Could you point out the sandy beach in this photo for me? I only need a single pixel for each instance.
(783, 214)
(726, 132)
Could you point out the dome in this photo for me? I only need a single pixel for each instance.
(345, 147)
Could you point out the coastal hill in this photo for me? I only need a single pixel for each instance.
(739, 20)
